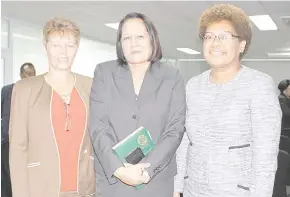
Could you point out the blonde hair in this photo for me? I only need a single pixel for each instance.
(60, 25)
(233, 14)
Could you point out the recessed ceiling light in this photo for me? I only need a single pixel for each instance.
(263, 22)
(113, 25)
(188, 51)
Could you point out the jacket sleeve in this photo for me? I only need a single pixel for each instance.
(102, 134)
(171, 138)
(266, 127)
(181, 160)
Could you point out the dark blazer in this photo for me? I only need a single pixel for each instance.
(285, 106)
(115, 112)
(6, 93)
(281, 174)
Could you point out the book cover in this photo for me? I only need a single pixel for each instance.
(134, 147)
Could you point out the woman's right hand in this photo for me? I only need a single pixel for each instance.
(133, 174)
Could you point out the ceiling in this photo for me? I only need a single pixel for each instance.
(176, 22)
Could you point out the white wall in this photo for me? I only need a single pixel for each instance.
(28, 47)
(90, 54)
(278, 70)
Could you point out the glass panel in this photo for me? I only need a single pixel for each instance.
(4, 33)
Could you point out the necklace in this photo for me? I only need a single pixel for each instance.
(65, 98)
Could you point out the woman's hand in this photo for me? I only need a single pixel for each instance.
(133, 174)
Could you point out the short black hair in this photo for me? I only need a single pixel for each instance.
(234, 15)
(283, 85)
(27, 70)
(153, 35)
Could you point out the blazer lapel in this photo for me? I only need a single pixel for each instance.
(152, 81)
(42, 92)
(124, 83)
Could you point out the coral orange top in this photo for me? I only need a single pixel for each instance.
(69, 122)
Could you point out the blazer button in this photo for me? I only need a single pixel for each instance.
(134, 116)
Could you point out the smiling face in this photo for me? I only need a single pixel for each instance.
(221, 45)
(61, 50)
(135, 42)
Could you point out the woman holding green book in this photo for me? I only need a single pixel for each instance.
(137, 90)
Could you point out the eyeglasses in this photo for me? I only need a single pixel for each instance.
(223, 37)
(67, 118)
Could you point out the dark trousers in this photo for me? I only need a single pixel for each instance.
(5, 173)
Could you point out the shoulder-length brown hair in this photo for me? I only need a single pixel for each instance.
(153, 35)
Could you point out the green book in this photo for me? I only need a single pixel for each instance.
(134, 147)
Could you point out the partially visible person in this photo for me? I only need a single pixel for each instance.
(50, 148)
(284, 98)
(137, 90)
(233, 116)
(26, 70)
(282, 174)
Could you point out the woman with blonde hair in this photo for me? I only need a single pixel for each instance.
(50, 148)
